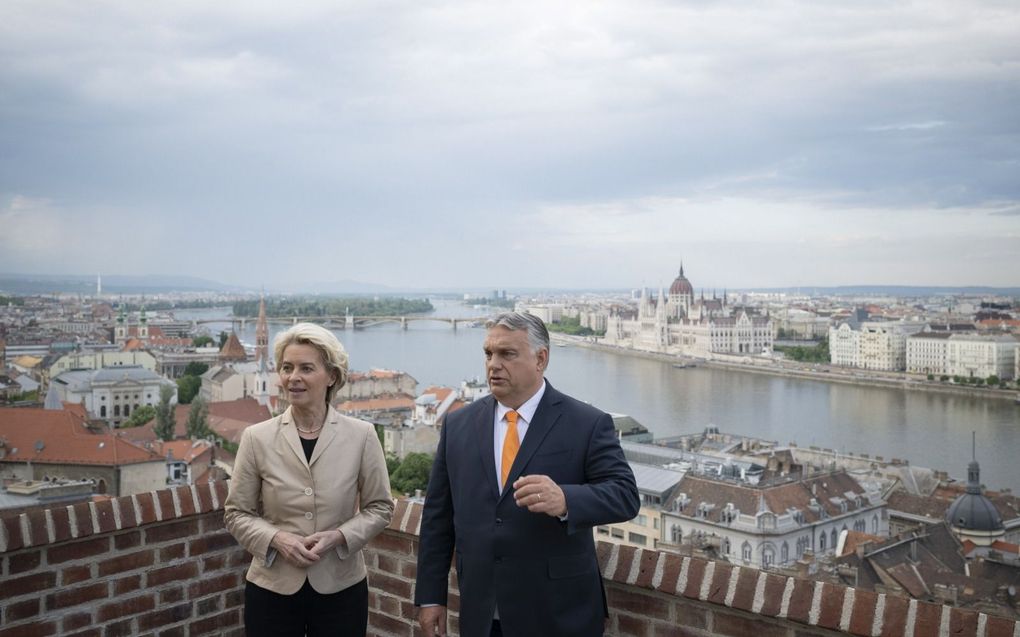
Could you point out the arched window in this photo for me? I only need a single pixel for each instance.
(745, 551)
(102, 411)
(832, 538)
(784, 553)
(676, 534)
(127, 410)
(821, 541)
(768, 556)
(116, 411)
(874, 525)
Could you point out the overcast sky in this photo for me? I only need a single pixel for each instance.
(508, 144)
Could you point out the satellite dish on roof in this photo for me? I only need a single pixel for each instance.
(39, 445)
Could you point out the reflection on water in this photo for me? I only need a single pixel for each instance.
(929, 429)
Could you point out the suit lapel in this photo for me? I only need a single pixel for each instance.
(546, 415)
(329, 432)
(484, 439)
(290, 434)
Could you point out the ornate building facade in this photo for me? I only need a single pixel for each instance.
(680, 324)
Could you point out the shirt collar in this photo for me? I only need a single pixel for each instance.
(525, 411)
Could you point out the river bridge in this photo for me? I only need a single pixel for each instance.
(347, 321)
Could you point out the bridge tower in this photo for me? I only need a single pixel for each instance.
(348, 319)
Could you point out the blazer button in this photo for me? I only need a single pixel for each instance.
(308, 516)
(499, 520)
(308, 491)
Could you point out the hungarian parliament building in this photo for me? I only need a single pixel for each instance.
(679, 324)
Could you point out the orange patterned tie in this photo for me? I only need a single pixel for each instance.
(510, 446)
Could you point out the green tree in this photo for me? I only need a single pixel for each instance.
(165, 421)
(198, 419)
(140, 416)
(413, 473)
(931, 376)
(196, 368)
(187, 388)
(202, 341)
(992, 380)
(223, 339)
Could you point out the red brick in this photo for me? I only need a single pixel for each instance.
(392, 585)
(862, 616)
(929, 617)
(408, 569)
(171, 595)
(398, 514)
(204, 497)
(740, 626)
(209, 585)
(127, 540)
(176, 631)
(646, 572)
(208, 606)
(61, 524)
(75, 596)
(632, 626)
(387, 541)
(104, 515)
(962, 622)
(37, 526)
(174, 573)
(91, 632)
(12, 527)
(629, 600)
(128, 584)
(747, 583)
(414, 519)
(213, 523)
(210, 543)
(387, 563)
(239, 558)
(832, 606)
(83, 519)
(172, 552)
(775, 586)
(216, 623)
(695, 573)
(24, 561)
(213, 563)
(18, 586)
(131, 606)
(122, 628)
(800, 601)
(999, 627)
(22, 610)
(127, 512)
(387, 625)
(171, 531)
(220, 487)
(75, 574)
(187, 503)
(624, 558)
(127, 562)
(233, 598)
(75, 621)
(602, 552)
(37, 629)
(77, 550)
(148, 509)
(720, 585)
(894, 620)
(690, 615)
(164, 617)
(389, 605)
(166, 504)
(671, 630)
(670, 571)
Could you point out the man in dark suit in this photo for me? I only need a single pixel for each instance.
(519, 480)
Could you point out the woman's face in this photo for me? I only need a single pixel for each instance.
(304, 376)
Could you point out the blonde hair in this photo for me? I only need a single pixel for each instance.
(332, 351)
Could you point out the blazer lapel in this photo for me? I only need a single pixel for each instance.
(486, 446)
(329, 432)
(290, 434)
(546, 415)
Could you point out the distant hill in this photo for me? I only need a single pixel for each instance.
(112, 284)
(891, 290)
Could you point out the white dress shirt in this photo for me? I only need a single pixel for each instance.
(525, 414)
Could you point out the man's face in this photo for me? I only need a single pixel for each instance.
(513, 370)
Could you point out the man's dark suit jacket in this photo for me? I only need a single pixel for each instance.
(540, 571)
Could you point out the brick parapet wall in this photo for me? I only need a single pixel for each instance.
(161, 563)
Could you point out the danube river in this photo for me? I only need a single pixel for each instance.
(930, 429)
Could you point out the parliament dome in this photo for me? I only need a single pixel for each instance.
(681, 286)
(973, 514)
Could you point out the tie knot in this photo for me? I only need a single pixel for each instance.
(511, 418)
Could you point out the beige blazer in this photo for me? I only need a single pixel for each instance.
(273, 488)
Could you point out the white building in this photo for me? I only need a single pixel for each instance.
(771, 525)
(873, 345)
(111, 394)
(981, 356)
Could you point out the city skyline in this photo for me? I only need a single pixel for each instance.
(536, 145)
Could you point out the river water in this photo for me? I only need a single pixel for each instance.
(930, 429)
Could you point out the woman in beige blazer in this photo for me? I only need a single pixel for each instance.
(309, 490)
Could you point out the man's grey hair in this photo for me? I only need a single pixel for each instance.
(538, 335)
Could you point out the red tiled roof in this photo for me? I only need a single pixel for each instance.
(440, 392)
(185, 450)
(65, 438)
(377, 404)
(238, 414)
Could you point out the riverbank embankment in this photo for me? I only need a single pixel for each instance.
(793, 369)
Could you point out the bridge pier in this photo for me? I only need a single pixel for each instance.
(403, 323)
(453, 322)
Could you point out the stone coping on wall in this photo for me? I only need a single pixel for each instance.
(805, 602)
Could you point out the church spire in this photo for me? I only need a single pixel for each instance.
(262, 335)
